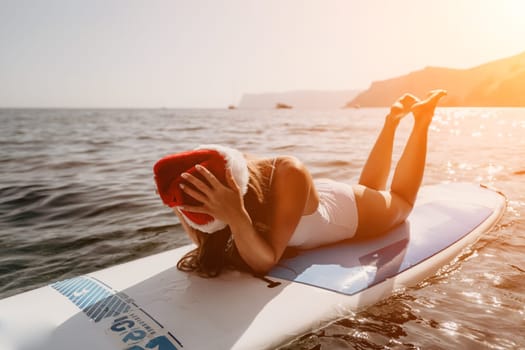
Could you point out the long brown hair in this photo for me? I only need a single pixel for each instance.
(217, 251)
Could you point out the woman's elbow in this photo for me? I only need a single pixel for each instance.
(264, 265)
(262, 270)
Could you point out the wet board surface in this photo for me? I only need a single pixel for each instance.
(149, 304)
(350, 267)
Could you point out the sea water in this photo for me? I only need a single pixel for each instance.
(77, 195)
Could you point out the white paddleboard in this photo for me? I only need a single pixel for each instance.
(149, 304)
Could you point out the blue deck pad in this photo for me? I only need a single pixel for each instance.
(350, 267)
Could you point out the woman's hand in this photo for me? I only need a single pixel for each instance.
(224, 203)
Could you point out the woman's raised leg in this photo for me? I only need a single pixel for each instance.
(377, 167)
(410, 168)
(380, 210)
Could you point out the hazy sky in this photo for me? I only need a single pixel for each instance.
(153, 53)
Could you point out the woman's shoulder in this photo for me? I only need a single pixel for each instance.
(284, 165)
(289, 170)
(282, 170)
(289, 163)
(294, 185)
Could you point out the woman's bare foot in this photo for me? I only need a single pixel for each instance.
(424, 110)
(402, 107)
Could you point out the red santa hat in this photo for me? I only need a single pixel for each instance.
(216, 159)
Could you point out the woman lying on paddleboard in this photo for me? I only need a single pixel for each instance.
(243, 212)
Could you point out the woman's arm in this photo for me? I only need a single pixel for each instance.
(291, 186)
(294, 195)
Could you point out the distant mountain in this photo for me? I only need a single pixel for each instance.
(498, 83)
(304, 99)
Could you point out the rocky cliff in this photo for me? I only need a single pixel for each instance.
(497, 83)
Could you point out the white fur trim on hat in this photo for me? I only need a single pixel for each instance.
(210, 227)
(238, 165)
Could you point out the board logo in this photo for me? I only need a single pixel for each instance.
(118, 314)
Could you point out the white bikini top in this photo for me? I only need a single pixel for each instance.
(271, 174)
